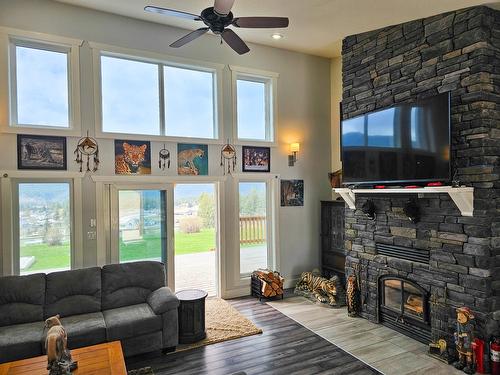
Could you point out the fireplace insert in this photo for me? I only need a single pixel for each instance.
(404, 306)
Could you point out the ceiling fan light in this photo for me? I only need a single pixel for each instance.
(277, 36)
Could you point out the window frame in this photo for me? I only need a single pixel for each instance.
(10, 216)
(9, 40)
(160, 60)
(270, 79)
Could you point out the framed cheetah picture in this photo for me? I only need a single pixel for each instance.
(132, 157)
(41, 152)
(192, 159)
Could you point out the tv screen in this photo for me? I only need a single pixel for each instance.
(406, 143)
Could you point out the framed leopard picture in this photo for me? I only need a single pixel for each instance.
(132, 157)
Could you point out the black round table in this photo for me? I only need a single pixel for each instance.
(191, 315)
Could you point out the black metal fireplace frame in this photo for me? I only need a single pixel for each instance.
(419, 329)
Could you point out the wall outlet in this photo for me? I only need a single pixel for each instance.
(92, 235)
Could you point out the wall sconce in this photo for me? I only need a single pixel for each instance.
(292, 158)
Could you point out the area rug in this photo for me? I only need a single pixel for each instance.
(222, 323)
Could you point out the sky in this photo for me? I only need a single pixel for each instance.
(42, 87)
(130, 97)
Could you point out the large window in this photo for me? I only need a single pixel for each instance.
(253, 226)
(40, 85)
(44, 224)
(254, 106)
(151, 98)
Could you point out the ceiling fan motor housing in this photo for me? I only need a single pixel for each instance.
(217, 23)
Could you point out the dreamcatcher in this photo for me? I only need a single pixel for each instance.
(228, 157)
(87, 147)
(163, 158)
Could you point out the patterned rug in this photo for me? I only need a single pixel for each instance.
(222, 323)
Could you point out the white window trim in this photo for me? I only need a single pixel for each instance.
(99, 49)
(272, 206)
(8, 183)
(271, 81)
(8, 105)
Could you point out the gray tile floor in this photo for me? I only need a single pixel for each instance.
(386, 350)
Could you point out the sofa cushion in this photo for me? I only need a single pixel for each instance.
(73, 292)
(163, 300)
(130, 283)
(21, 341)
(85, 329)
(131, 321)
(21, 299)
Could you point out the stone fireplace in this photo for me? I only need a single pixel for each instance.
(414, 276)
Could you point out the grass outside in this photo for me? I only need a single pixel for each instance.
(55, 257)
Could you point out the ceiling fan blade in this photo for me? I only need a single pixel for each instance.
(172, 13)
(189, 37)
(261, 22)
(235, 42)
(223, 7)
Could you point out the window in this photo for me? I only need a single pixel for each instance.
(189, 103)
(44, 84)
(253, 226)
(254, 101)
(44, 227)
(152, 98)
(130, 96)
(142, 222)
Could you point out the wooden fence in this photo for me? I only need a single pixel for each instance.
(252, 229)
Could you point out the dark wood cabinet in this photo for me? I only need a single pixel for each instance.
(332, 238)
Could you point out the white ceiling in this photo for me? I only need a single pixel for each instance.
(316, 26)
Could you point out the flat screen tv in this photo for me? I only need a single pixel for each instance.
(406, 143)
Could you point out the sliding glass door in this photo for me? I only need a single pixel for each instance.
(172, 223)
(195, 220)
(142, 225)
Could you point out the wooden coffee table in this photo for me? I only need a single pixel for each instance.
(102, 359)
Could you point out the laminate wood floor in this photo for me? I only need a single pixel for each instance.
(285, 347)
(386, 350)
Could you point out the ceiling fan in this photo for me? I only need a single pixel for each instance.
(218, 19)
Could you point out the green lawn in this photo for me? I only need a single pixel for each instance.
(48, 257)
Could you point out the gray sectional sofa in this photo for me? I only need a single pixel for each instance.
(127, 302)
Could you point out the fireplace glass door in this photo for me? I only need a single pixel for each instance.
(403, 306)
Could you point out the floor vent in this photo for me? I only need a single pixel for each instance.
(406, 253)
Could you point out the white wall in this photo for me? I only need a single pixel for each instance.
(303, 111)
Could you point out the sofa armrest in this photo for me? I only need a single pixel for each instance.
(162, 300)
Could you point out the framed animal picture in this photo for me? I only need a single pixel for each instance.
(41, 152)
(292, 193)
(132, 157)
(256, 159)
(192, 159)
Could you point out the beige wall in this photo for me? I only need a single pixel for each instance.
(303, 112)
(336, 98)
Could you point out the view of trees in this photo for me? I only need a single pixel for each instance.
(253, 203)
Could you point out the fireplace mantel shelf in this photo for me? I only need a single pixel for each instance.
(462, 196)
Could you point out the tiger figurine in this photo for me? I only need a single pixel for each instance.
(323, 289)
(185, 161)
(131, 160)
